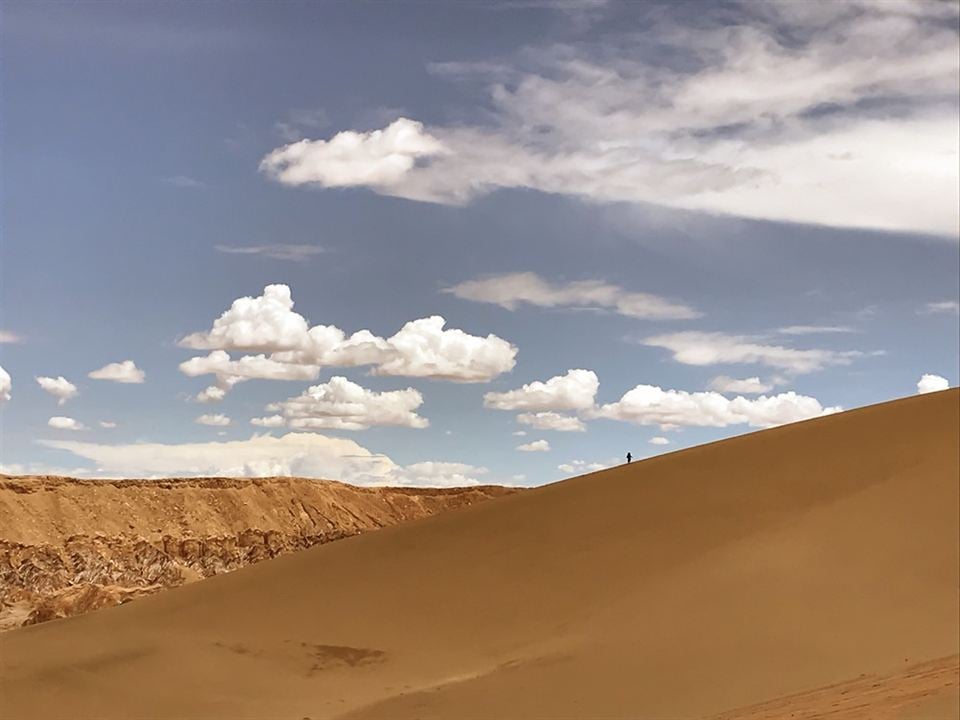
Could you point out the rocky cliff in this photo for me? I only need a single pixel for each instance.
(68, 546)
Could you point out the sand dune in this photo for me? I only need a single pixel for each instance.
(778, 574)
(69, 546)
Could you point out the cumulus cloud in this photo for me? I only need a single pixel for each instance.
(6, 385)
(379, 159)
(658, 441)
(271, 421)
(672, 409)
(843, 114)
(552, 421)
(946, 307)
(715, 348)
(59, 387)
(513, 289)
(343, 405)
(64, 423)
(293, 454)
(216, 420)
(121, 372)
(290, 349)
(573, 391)
(211, 394)
(932, 383)
(291, 253)
(535, 446)
(747, 386)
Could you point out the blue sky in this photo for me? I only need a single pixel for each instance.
(675, 199)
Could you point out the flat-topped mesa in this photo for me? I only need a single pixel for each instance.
(70, 545)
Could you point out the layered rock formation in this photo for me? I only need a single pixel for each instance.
(68, 546)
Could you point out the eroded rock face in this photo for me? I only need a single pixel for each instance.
(69, 546)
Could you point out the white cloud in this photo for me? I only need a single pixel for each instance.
(343, 405)
(748, 386)
(658, 441)
(946, 307)
(65, 423)
(216, 420)
(932, 383)
(59, 387)
(294, 454)
(6, 386)
(422, 348)
(107, 424)
(510, 290)
(271, 421)
(579, 467)
(714, 348)
(520, 433)
(381, 158)
(535, 446)
(552, 421)
(291, 253)
(121, 372)
(211, 394)
(436, 474)
(814, 329)
(293, 350)
(8, 337)
(843, 115)
(671, 409)
(573, 391)
(264, 323)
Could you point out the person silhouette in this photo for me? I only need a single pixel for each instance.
(629, 458)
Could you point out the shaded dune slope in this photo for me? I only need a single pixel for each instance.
(689, 585)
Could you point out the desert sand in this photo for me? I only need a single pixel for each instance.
(69, 546)
(808, 571)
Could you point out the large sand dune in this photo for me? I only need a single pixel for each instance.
(805, 571)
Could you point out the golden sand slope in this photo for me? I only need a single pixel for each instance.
(754, 570)
(68, 546)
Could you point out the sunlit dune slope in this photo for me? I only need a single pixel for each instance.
(690, 585)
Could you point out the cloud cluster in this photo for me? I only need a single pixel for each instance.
(6, 385)
(932, 383)
(672, 409)
(513, 289)
(59, 387)
(715, 348)
(829, 113)
(120, 372)
(575, 390)
(579, 467)
(343, 405)
(288, 348)
(294, 454)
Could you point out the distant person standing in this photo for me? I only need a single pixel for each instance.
(629, 458)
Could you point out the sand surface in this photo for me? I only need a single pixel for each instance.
(810, 571)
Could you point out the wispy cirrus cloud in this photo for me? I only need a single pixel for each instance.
(526, 288)
(292, 253)
(842, 114)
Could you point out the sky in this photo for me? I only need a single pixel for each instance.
(447, 243)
